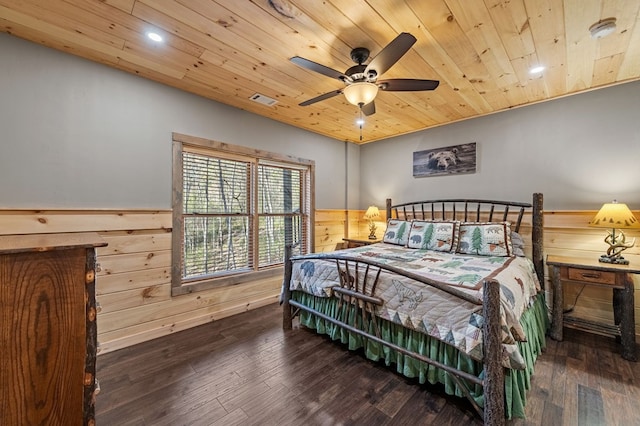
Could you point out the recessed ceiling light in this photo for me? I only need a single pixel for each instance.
(154, 36)
(536, 70)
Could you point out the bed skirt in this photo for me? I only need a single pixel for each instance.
(535, 322)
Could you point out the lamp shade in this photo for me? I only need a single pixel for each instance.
(372, 213)
(361, 93)
(615, 215)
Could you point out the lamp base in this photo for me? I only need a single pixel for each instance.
(617, 244)
(616, 260)
(372, 230)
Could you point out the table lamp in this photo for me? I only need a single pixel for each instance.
(372, 213)
(615, 216)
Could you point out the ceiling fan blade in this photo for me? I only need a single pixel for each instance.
(390, 54)
(321, 98)
(319, 68)
(369, 109)
(407, 85)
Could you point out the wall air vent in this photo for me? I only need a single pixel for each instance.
(264, 100)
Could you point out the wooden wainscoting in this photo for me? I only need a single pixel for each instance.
(331, 226)
(133, 283)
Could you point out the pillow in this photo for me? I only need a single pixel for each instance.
(434, 235)
(485, 238)
(397, 232)
(518, 244)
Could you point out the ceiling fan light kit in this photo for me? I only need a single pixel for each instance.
(360, 93)
(362, 84)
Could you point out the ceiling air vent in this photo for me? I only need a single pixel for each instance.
(264, 100)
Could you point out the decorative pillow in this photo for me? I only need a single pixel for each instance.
(434, 235)
(485, 239)
(397, 232)
(518, 244)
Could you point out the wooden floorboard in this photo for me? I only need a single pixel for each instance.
(245, 370)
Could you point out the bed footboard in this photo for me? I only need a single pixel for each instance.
(358, 280)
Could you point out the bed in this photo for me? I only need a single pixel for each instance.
(448, 297)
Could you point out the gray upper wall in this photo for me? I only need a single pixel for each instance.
(77, 134)
(580, 151)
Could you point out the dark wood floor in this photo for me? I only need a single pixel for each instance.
(245, 370)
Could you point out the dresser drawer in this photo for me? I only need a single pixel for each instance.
(589, 275)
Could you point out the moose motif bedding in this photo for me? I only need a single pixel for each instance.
(430, 310)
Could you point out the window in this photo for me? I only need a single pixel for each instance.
(234, 209)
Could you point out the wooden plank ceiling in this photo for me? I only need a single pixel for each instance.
(229, 50)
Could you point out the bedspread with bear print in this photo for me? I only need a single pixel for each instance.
(430, 310)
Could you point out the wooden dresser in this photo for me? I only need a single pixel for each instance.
(48, 329)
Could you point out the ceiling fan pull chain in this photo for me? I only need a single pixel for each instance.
(361, 121)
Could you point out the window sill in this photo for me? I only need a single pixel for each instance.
(226, 281)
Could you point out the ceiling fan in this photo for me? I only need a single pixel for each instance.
(361, 80)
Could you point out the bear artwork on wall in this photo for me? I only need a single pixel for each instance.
(456, 159)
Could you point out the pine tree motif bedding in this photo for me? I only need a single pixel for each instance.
(432, 311)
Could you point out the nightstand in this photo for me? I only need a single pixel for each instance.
(590, 272)
(356, 242)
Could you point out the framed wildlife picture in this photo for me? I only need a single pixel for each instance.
(456, 159)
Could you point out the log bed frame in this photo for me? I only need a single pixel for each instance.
(365, 302)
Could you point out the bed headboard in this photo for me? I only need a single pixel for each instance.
(474, 210)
